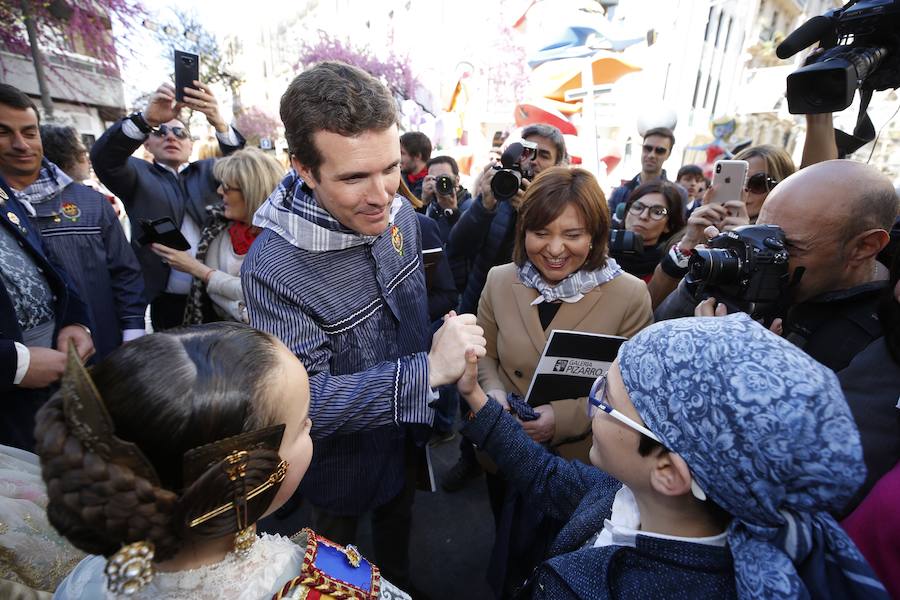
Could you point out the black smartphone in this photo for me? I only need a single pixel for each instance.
(162, 231)
(187, 70)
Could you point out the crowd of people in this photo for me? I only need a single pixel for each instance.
(311, 331)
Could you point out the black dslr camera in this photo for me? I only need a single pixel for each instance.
(443, 185)
(861, 41)
(622, 241)
(508, 178)
(742, 268)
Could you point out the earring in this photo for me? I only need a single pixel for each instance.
(244, 540)
(131, 568)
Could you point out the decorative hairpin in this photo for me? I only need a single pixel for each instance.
(88, 419)
(129, 569)
(277, 476)
(233, 455)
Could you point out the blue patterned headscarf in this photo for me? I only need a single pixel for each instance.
(768, 435)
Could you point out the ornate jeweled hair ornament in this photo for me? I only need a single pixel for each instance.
(87, 417)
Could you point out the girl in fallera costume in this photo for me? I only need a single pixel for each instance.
(160, 460)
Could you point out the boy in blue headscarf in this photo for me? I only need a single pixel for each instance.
(721, 448)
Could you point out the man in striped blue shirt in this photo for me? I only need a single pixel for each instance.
(337, 275)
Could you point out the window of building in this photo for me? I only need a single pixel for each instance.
(719, 28)
(696, 89)
(709, 21)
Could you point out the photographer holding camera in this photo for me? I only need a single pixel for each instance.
(445, 201)
(832, 288)
(484, 234)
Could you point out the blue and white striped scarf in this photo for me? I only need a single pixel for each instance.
(50, 183)
(292, 212)
(572, 288)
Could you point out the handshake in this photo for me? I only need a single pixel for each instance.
(459, 335)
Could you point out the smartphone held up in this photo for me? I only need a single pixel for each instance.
(729, 177)
(187, 70)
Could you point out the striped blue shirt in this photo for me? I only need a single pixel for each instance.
(358, 320)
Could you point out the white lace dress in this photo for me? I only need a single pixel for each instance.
(272, 561)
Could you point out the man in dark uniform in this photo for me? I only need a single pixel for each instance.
(39, 316)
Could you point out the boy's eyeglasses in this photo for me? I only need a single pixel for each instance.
(657, 213)
(760, 183)
(597, 402)
(658, 150)
(163, 130)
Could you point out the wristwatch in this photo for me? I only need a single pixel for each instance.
(680, 256)
(675, 262)
(138, 119)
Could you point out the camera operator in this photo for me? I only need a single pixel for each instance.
(484, 233)
(484, 237)
(445, 199)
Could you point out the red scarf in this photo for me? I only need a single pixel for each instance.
(414, 177)
(242, 237)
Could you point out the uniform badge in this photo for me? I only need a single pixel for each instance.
(14, 219)
(397, 239)
(71, 211)
(3, 196)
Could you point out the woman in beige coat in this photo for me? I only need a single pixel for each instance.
(561, 278)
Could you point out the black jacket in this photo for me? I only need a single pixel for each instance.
(150, 191)
(20, 404)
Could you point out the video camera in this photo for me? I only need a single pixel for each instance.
(742, 268)
(508, 178)
(861, 42)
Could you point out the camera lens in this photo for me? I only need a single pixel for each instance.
(505, 184)
(715, 266)
(444, 185)
(718, 168)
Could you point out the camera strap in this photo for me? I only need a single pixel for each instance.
(863, 133)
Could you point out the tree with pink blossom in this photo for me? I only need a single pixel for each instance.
(80, 26)
(392, 70)
(255, 124)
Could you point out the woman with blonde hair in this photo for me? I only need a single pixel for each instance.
(247, 178)
(769, 165)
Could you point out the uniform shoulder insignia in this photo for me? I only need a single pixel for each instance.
(332, 571)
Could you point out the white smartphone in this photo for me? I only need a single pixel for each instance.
(728, 179)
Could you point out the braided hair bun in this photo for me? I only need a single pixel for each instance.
(167, 394)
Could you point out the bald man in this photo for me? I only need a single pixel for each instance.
(836, 216)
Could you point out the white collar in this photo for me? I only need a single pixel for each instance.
(622, 526)
(181, 168)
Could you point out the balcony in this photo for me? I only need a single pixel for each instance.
(73, 78)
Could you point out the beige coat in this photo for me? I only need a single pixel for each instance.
(515, 340)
